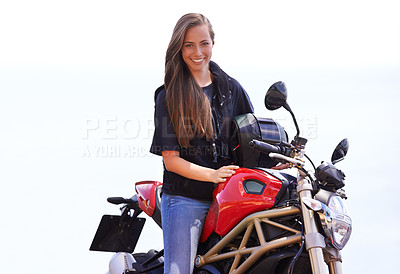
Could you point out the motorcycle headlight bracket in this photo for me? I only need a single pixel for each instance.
(336, 224)
(314, 240)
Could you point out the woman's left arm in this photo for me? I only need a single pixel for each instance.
(174, 163)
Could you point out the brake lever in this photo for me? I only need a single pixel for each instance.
(287, 159)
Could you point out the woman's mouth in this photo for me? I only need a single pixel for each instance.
(199, 60)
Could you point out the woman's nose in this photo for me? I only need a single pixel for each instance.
(198, 50)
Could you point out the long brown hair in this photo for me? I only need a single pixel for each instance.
(188, 106)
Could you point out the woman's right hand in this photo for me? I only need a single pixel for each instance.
(220, 175)
(174, 163)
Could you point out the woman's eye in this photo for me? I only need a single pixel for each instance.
(205, 43)
(188, 45)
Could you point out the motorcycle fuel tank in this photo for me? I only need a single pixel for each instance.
(246, 192)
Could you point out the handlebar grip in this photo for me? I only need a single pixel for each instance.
(264, 147)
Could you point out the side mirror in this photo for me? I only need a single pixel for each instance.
(340, 151)
(276, 96)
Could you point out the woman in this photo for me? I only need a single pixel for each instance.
(193, 114)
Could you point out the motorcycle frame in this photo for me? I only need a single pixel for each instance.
(253, 221)
(247, 225)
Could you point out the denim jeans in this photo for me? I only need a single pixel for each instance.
(182, 222)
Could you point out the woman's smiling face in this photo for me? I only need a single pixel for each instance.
(197, 48)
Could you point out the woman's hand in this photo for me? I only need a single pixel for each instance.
(220, 175)
(174, 163)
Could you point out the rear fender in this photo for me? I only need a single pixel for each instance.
(146, 194)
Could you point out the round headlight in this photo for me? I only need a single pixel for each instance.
(334, 217)
(341, 230)
(341, 227)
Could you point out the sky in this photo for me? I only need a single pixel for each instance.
(77, 80)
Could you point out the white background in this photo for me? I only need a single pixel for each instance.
(77, 80)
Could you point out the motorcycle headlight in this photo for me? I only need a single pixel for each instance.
(341, 222)
(336, 223)
(340, 231)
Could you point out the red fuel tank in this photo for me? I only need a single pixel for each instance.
(246, 192)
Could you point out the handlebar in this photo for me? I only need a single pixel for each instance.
(287, 159)
(268, 148)
(277, 151)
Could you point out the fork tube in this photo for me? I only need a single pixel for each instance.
(304, 189)
(335, 267)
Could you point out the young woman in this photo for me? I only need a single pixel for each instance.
(193, 113)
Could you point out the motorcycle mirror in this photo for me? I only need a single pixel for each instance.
(340, 151)
(276, 96)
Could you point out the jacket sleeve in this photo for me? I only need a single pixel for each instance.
(164, 137)
(240, 99)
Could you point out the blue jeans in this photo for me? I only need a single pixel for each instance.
(182, 222)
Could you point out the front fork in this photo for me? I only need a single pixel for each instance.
(315, 242)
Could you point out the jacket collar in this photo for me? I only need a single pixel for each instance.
(221, 79)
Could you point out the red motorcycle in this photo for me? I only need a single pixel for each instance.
(261, 220)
